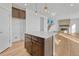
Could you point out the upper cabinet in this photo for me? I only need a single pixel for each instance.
(18, 13)
(22, 14)
(15, 12)
(64, 22)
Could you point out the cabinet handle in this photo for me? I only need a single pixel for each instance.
(57, 42)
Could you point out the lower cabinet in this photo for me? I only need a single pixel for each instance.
(28, 44)
(66, 47)
(59, 46)
(37, 49)
(74, 50)
(34, 46)
(62, 46)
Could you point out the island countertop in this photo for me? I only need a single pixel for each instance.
(72, 36)
(40, 34)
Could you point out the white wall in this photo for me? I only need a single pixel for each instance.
(32, 22)
(18, 29)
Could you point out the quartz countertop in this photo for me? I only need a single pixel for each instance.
(72, 36)
(40, 34)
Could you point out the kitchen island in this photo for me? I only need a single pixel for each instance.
(67, 44)
(39, 43)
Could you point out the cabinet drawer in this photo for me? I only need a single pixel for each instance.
(38, 39)
(35, 42)
(27, 36)
(35, 38)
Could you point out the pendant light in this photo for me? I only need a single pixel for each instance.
(71, 5)
(35, 12)
(45, 8)
(25, 4)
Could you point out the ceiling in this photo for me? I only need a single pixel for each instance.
(58, 9)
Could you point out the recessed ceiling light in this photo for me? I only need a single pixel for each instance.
(71, 5)
(46, 8)
(25, 4)
(35, 13)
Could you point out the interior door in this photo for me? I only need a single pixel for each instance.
(4, 29)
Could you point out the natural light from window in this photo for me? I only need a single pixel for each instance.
(73, 28)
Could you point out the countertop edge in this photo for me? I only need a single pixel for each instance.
(69, 36)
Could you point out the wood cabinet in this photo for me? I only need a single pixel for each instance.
(37, 49)
(65, 46)
(64, 22)
(15, 12)
(37, 46)
(34, 45)
(28, 44)
(18, 13)
(59, 46)
(62, 46)
(74, 48)
(22, 14)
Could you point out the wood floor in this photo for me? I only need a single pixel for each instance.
(17, 49)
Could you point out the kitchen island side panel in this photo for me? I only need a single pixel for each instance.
(48, 46)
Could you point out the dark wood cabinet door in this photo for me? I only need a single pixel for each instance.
(34, 46)
(15, 12)
(28, 45)
(38, 39)
(37, 49)
(41, 50)
(22, 14)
